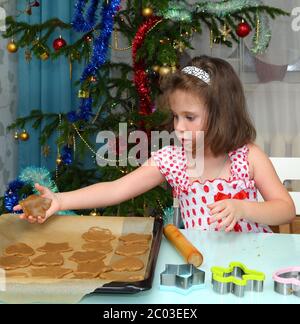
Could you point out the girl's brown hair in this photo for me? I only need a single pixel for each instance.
(228, 124)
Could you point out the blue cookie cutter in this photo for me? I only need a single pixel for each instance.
(182, 278)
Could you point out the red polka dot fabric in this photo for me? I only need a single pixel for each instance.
(194, 197)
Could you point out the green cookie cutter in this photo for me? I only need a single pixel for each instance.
(237, 278)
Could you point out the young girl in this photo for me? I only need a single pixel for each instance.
(207, 96)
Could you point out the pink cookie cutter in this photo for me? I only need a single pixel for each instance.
(287, 281)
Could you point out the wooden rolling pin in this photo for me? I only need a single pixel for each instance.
(183, 246)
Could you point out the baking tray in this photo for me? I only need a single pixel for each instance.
(116, 287)
(68, 290)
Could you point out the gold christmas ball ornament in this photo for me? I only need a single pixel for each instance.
(24, 136)
(164, 70)
(12, 47)
(155, 68)
(44, 56)
(147, 12)
(83, 94)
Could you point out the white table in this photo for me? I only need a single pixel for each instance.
(262, 252)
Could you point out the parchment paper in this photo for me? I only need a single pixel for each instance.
(60, 229)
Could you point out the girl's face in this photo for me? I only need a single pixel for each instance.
(189, 114)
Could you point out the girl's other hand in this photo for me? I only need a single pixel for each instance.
(227, 213)
(55, 206)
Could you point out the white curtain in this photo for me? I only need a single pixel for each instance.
(8, 104)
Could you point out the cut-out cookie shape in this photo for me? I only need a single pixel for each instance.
(97, 234)
(120, 277)
(287, 281)
(128, 264)
(135, 238)
(55, 247)
(35, 206)
(131, 249)
(50, 272)
(237, 278)
(14, 262)
(86, 256)
(84, 275)
(48, 259)
(20, 249)
(12, 274)
(88, 270)
(101, 247)
(182, 276)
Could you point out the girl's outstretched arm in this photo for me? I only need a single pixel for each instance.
(102, 194)
(112, 193)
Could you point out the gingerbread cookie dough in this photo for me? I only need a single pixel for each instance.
(121, 277)
(131, 249)
(86, 256)
(50, 272)
(35, 206)
(11, 274)
(84, 275)
(134, 238)
(104, 248)
(14, 262)
(91, 269)
(48, 259)
(97, 234)
(128, 264)
(20, 249)
(55, 247)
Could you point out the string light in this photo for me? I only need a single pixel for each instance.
(116, 47)
(95, 153)
(97, 115)
(160, 206)
(58, 158)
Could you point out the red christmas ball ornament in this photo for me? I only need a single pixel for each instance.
(88, 38)
(59, 43)
(35, 4)
(243, 29)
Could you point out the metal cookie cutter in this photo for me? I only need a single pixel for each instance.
(181, 277)
(287, 281)
(236, 279)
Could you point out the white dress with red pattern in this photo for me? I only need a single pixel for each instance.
(194, 197)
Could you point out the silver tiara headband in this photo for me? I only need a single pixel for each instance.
(199, 73)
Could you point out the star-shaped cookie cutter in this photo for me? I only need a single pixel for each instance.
(287, 281)
(182, 276)
(237, 278)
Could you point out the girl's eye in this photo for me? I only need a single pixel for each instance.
(175, 116)
(190, 118)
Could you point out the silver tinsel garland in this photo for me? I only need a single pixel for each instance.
(42, 176)
(221, 9)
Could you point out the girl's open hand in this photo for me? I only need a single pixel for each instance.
(227, 212)
(45, 193)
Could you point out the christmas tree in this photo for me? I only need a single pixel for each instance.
(123, 92)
